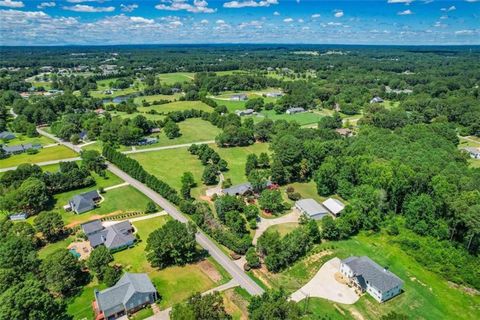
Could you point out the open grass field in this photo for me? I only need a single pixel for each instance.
(172, 78)
(23, 139)
(44, 154)
(104, 84)
(176, 283)
(231, 105)
(124, 115)
(303, 118)
(426, 295)
(236, 159)
(177, 106)
(192, 130)
(118, 200)
(157, 97)
(284, 228)
(169, 165)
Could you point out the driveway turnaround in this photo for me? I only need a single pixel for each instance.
(323, 285)
(264, 224)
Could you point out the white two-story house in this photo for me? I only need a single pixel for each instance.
(367, 275)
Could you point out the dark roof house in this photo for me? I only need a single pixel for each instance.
(131, 293)
(92, 227)
(238, 190)
(379, 282)
(84, 202)
(5, 135)
(239, 97)
(294, 110)
(246, 112)
(21, 148)
(116, 236)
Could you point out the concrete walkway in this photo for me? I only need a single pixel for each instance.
(264, 224)
(132, 220)
(324, 285)
(87, 144)
(165, 314)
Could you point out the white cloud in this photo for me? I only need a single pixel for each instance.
(87, 8)
(204, 21)
(407, 2)
(142, 20)
(249, 3)
(198, 6)
(465, 32)
(288, 20)
(301, 20)
(175, 24)
(81, 1)
(276, 13)
(44, 5)
(128, 7)
(472, 0)
(405, 12)
(452, 8)
(220, 21)
(252, 24)
(315, 16)
(11, 4)
(338, 13)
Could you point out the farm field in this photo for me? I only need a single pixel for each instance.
(44, 154)
(172, 78)
(175, 283)
(426, 295)
(177, 106)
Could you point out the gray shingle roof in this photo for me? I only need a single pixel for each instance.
(123, 290)
(365, 269)
(114, 236)
(6, 135)
(239, 189)
(84, 202)
(92, 227)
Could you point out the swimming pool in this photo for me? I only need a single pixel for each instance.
(74, 252)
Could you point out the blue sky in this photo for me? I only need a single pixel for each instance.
(431, 22)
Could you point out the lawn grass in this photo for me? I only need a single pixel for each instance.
(283, 228)
(121, 199)
(80, 306)
(174, 77)
(169, 165)
(303, 118)
(174, 284)
(51, 247)
(231, 105)
(192, 130)
(237, 157)
(23, 139)
(44, 154)
(149, 116)
(426, 295)
(177, 106)
(157, 97)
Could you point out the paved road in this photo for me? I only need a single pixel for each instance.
(238, 274)
(45, 163)
(167, 147)
(235, 271)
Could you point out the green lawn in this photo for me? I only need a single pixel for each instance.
(177, 106)
(192, 130)
(172, 78)
(80, 306)
(283, 228)
(23, 139)
(120, 199)
(426, 295)
(44, 154)
(237, 157)
(169, 165)
(174, 284)
(124, 115)
(157, 97)
(303, 118)
(103, 85)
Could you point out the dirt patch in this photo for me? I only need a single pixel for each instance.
(206, 198)
(210, 270)
(357, 315)
(467, 290)
(262, 274)
(235, 304)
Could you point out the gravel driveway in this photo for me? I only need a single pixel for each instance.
(324, 285)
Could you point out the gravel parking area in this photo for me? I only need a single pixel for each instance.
(324, 285)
